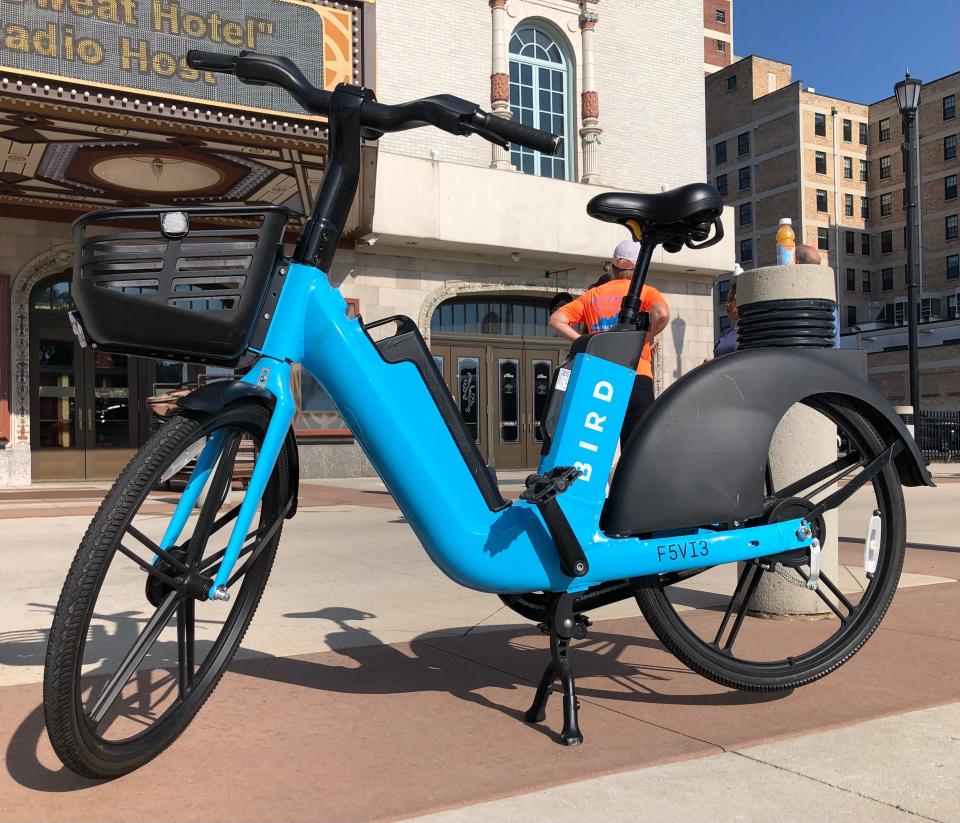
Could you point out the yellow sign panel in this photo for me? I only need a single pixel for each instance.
(139, 46)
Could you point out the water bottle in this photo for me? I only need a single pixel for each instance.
(786, 243)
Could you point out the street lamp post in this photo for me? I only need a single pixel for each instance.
(908, 100)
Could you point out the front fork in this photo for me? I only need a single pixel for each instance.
(274, 376)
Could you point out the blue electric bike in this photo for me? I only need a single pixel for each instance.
(154, 607)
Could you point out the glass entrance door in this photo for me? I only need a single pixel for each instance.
(57, 419)
(83, 410)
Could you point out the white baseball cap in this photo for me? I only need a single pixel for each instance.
(627, 250)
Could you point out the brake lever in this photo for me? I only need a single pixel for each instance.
(470, 128)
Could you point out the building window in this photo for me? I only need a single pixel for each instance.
(951, 227)
(864, 206)
(867, 281)
(821, 199)
(847, 131)
(540, 98)
(863, 134)
(900, 312)
(884, 167)
(886, 242)
(850, 242)
(823, 239)
(744, 178)
(953, 267)
(820, 124)
(886, 279)
(743, 144)
(865, 245)
(821, 162)
(746, 214)
(884, 129)
(720, 153)
(950, 147)
(720, 16)
(886, 204)
(721, 46)
(848, 168)
(851, 279)
(851, 316)
(929, 309)
(950, 187)
(746, 250)
(864, 171)
(722, 184)
(848, 205)
(949, 107)
(732, 83)
(951, 307)
(723, 290)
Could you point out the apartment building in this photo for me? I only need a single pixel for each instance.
(717, 35)
(777, 148)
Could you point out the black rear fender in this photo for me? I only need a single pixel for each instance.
(215, 396)
(699, 454)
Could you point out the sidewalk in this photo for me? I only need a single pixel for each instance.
(371, 688)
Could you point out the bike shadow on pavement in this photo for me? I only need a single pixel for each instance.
(462, 662)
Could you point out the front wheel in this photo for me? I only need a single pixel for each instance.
(712, 621)
(132, 655)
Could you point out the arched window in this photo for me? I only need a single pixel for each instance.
(540, 97)
(52, 294)
(500, 315)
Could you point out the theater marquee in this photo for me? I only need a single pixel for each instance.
(138, 46)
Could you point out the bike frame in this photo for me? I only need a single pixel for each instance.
(396, 422)
(411, 448)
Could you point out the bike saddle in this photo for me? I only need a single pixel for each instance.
(676, 217)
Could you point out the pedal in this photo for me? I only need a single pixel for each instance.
(542, 490)
(544, 487)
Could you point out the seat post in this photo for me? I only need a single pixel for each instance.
(630, 307)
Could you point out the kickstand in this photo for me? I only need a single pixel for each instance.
(562, 625)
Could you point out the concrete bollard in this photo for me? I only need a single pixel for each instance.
(804, 440)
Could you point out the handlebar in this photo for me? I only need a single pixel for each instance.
(446, 112)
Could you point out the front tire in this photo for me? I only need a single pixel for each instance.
(104, 603)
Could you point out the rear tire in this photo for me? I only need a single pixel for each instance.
(83, 743)
(692, 646)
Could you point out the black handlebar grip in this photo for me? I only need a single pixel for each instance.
(212, 61)
(514, 132)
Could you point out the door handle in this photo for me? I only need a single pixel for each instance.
(90, 419)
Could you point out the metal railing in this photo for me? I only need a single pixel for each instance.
(938, 435)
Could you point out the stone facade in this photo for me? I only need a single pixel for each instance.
(650, 141)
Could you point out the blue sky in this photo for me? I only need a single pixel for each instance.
(853, 49)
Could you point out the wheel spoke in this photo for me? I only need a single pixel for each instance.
(841, 468)
(836, 592)
(742, 610)
(219, 524)
(163, 553)
(215, 494)
(737, 593)
(148, 567)
(136, 654)
(186, 625)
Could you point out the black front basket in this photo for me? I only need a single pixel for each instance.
(183, 284)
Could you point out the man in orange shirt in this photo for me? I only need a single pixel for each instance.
(598, 307)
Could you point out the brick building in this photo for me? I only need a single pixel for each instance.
(472, 243)
(776, 148)
(717, 35)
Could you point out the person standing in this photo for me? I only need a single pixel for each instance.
(727, 342)
(598, 309)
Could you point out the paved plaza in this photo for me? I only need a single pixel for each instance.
(370, 687)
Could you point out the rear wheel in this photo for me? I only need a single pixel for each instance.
(708, 619)
(132, 656)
